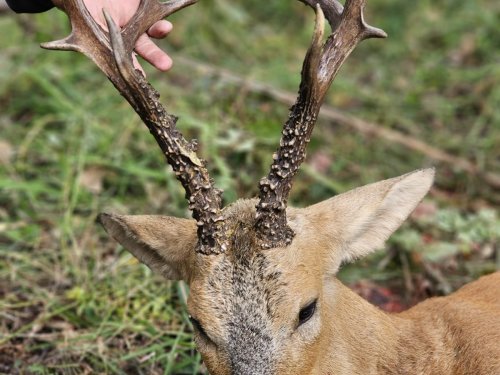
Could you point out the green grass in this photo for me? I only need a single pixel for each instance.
(73, 301)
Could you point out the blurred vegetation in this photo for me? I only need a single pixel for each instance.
(73, 301)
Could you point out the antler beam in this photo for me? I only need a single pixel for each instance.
(321, 65)
(112, 53)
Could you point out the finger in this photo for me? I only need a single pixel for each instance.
(160, 29)
(152, 53)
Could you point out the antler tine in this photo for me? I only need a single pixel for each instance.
(149, 12)
(86, 36)
(332, 10)
(321, 65)
(113, 57)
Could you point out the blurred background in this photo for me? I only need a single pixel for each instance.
(73, 301)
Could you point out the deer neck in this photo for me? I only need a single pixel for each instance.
(362, 339)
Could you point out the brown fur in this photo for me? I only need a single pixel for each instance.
(247, 300)
(456, 335)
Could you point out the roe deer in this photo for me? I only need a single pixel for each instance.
(264, 297)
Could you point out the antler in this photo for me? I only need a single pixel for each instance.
(112, 53)
(321, 65)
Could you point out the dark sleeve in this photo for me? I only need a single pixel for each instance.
(30, 6)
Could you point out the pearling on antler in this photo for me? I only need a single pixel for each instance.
(112, 53)
(322, 62)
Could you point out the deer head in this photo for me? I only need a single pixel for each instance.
(258, 270)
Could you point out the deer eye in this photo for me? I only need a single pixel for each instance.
(307, 312)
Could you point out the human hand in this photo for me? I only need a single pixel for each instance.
(122, 11)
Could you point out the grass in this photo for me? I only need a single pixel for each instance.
(73, 301)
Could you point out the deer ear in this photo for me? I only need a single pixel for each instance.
(360, 221)
(164, 244)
